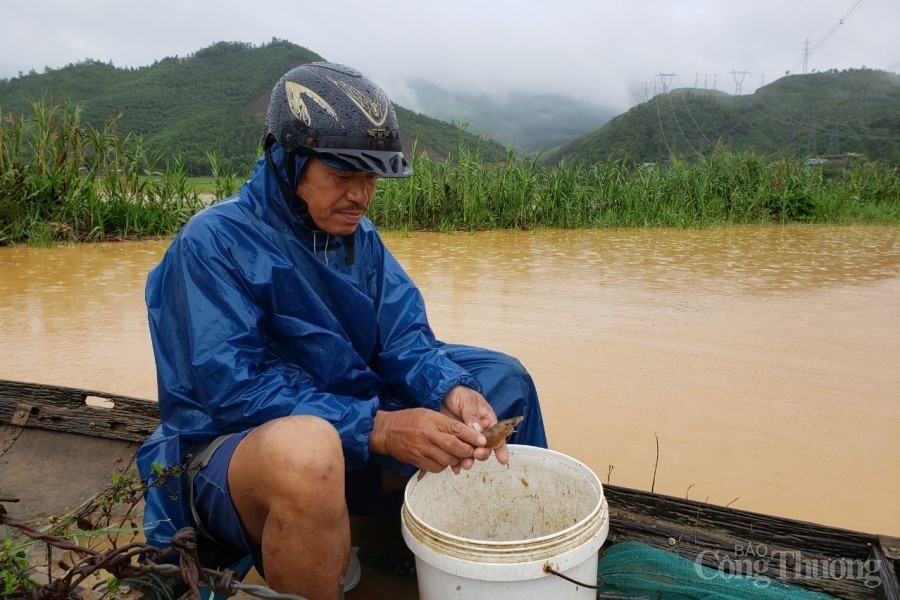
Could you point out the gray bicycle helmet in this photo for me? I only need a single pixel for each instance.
(335, 113)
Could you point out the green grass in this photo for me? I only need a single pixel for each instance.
(203, 185)
(61, 181)
(465, 193)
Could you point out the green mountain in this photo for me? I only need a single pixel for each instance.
(213, 101)
(529, 123)
(820, 114)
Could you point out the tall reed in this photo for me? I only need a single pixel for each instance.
(726, 188)
(61, 180)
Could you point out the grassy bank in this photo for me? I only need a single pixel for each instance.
(725, 189)
(61, 180)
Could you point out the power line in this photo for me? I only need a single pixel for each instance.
(772, 36)
(834, 27)
(691, 115)
(807, 51)
(661, 130)
(680, 130)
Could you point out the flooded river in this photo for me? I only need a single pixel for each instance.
(764, 361)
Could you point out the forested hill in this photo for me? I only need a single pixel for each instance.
(213, 101)
(801, 116)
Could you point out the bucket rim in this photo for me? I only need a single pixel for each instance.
(523, 552)
(597, 515)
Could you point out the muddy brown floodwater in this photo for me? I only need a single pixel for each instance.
(764, 361)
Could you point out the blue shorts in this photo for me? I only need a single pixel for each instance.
(213, 511)
(223, 539)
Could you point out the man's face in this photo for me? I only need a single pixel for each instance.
(337, 199)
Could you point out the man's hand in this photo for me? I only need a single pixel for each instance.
(425, 438)
(471, 408)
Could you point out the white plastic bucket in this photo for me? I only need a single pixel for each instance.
(489, 532)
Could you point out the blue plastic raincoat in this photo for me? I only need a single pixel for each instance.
(255, 316)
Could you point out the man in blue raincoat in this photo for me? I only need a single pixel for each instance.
(297, 371)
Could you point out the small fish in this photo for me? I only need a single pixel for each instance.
(495, 435)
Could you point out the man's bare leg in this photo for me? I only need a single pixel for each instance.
(287, 483)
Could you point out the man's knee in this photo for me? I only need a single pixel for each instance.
(292, 455)
(287, 468)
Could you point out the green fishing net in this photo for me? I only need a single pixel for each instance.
(632, 569)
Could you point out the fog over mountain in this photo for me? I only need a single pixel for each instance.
(613, 56)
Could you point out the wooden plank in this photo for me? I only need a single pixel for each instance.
(86, 412)
(816, 557)
(690, 517)
(72, 397)
(8, 435)
(890, 580)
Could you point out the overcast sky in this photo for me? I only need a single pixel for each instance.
(610, 53)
